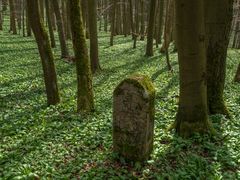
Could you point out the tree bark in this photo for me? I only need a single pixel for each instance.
(50, 27)
(50, 77)
(85, 102)
(113, 17)
(218, 16)
(92, 11)
(13, 26)
(151, 22)
(60, 27)
(1, 15)
(192, 116)
(168, 28)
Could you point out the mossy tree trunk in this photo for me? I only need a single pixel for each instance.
(218, 17)
(92, 11)
(60, 27)
(151, 22)
(41, 7)
(192, 116)
(85, 101)
(46, 55)
(237, 76)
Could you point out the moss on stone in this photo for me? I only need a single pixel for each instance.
(140, 81)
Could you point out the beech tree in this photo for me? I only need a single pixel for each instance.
(1, 15)
(45, 52)
(13, 26)
(60, 27)
(168, 27)
(49, 21)
(218, 18)
(92, 14)
(151, 21)
(192, 116)
(113, 16)
(85, 102)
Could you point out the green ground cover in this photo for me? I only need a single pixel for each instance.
(57, 143)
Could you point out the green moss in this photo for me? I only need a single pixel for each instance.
(140, 81)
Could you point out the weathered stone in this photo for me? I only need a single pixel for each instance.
(133, 118)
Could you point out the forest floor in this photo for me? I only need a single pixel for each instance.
(57, 143)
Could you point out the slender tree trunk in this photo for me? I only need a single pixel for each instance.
(168, 28)
(113, 14)
(13, 26)
(29, 31)
(50, 27)
(160, 22)
(151, 21)
(218, 18)
(142, 29)
(69, 33)
(46, 55)
(192, 116)
(92, 11)
(105, 16)
(134, 35)
(60, 27)
(1, 15)
(23, 17)
(85, 100)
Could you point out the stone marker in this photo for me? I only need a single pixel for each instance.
(133, 118)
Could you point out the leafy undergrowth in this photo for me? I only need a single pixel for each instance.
(56, 143)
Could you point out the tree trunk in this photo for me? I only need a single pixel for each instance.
(160, 22)
(92, 11)
(168, 28)
(113, 14)
(50, 27)
(192, 116)
(13, 26)
(29, 31)
(1, 15)
(23, 17)
(218, 16)
(142, 30)
(46, 55)
(60, 27)
(134, 35)
(151, 21)
(85, 102)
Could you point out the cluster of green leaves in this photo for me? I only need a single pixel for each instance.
(55, 142)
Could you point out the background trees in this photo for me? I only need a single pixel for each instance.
(39, 142)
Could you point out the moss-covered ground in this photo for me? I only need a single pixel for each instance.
(43, 142)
